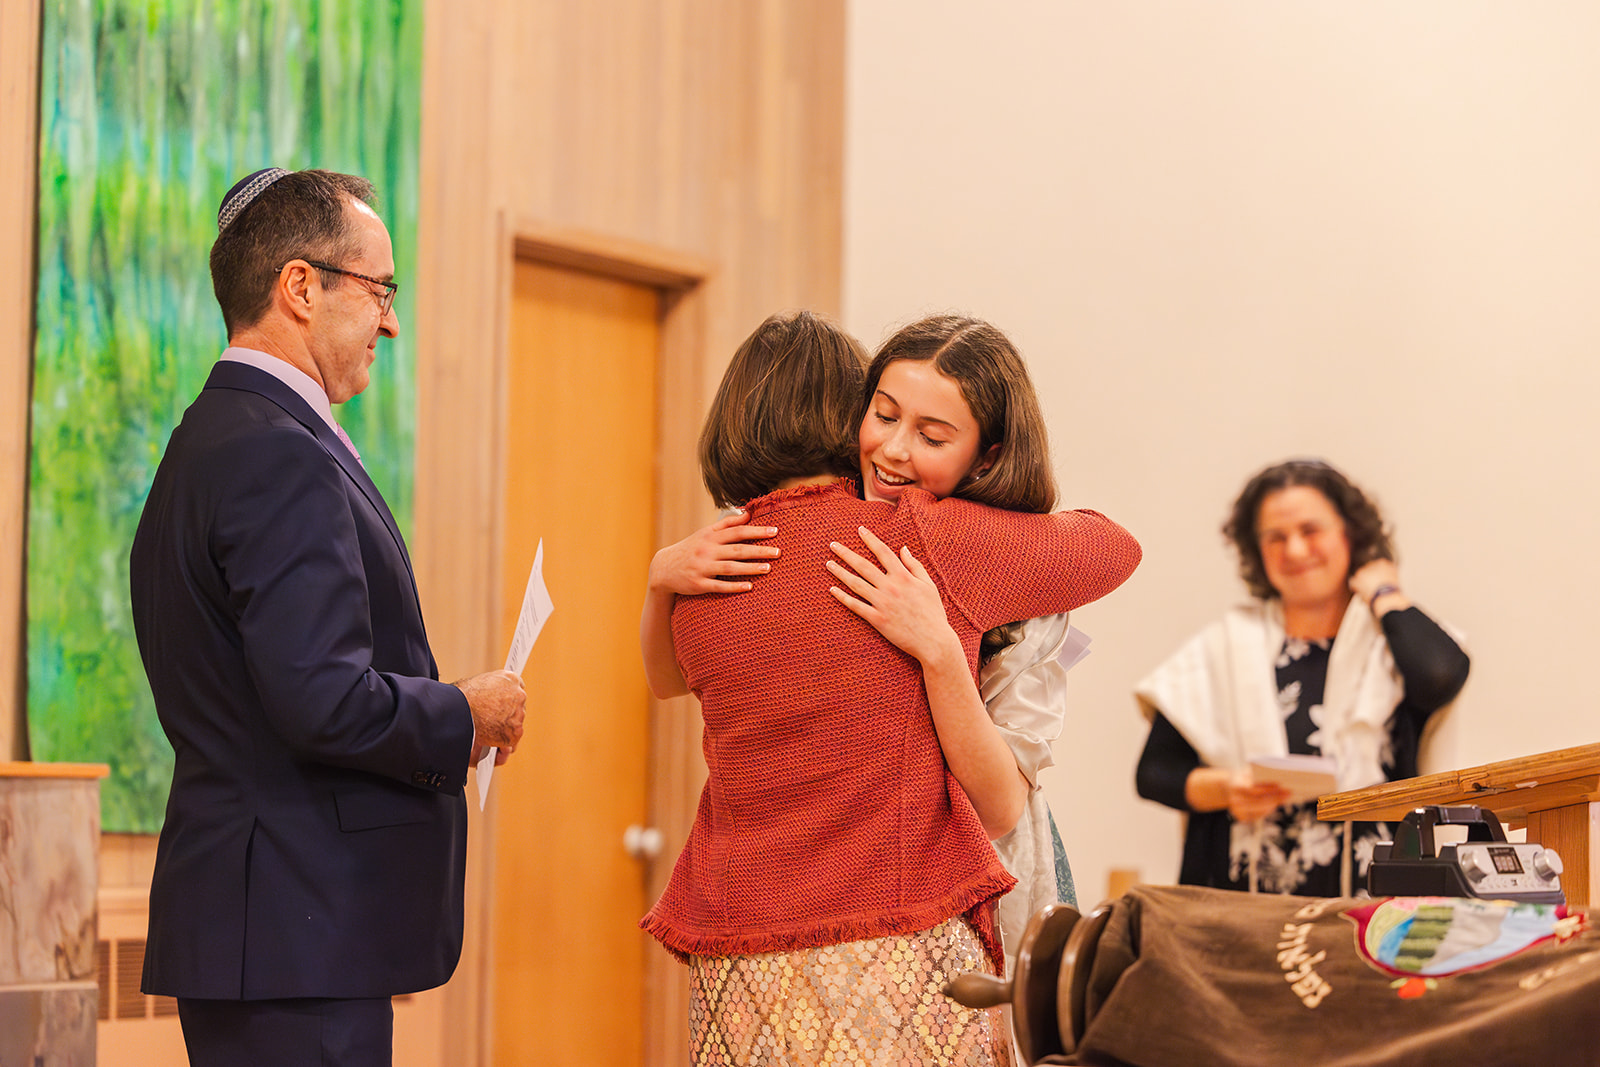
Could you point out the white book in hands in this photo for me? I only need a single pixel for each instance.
(1305, 777)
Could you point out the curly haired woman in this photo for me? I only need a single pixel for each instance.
(1329, 658)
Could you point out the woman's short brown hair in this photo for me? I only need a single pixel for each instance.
(994, 382)
(784, 409)
(1369, 538)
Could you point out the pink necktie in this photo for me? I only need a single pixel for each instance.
(348, 443)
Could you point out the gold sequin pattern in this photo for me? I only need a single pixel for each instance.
(876, 1002)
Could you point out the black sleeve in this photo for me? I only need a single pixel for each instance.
(1164, 766)
(1433, 666)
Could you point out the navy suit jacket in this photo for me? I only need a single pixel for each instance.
(315, 835)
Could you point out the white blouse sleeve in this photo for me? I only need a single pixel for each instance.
(1024, 688)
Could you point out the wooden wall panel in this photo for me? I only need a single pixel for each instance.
(706, 129)
(709, 128)
(19, 153)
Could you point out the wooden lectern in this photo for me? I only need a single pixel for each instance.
(1556, 795)
(49, 873)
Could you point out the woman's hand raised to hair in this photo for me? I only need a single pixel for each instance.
(703, 561)
(897, 597)
(1370, 578)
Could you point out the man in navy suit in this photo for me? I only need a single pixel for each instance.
(312, 860)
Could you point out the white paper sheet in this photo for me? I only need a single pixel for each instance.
(536, 608)
(1074, 648)
(1305, 777)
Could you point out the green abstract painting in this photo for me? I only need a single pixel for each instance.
(149, 111)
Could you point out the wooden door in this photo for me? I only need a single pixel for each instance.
(580, 473)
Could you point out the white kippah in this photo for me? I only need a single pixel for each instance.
(246, 190)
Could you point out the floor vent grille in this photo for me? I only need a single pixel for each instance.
(118, 966)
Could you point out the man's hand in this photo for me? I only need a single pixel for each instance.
(497, 700)
(478, 751)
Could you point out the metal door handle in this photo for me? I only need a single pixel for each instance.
(642, 842)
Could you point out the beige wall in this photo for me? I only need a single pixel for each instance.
(1228, 233)
(703, 131)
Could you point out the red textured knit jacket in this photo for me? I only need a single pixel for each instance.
(830, 815)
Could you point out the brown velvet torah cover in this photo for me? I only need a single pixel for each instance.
(1190, 976)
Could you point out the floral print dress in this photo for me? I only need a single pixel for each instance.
(1295, 851)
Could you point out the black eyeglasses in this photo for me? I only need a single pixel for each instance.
(385, 302)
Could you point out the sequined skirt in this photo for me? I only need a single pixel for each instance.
(872, 1002)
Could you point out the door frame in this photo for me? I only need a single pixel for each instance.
(677, 768)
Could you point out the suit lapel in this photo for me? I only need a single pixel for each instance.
(228, 374)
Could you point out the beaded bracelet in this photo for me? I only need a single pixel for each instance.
(1382, 590)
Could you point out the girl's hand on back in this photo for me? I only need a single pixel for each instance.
(702, 562)
(897, 597)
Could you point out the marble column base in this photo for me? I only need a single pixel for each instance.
(49, 873)
(48, 1026)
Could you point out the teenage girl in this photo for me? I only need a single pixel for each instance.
(948, 409)
(837, 875)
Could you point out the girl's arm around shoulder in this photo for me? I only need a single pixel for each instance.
(661, 671)
(1102, 551)
(1070, 558)
(716, 559)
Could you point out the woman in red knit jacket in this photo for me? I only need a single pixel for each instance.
(836, 875)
